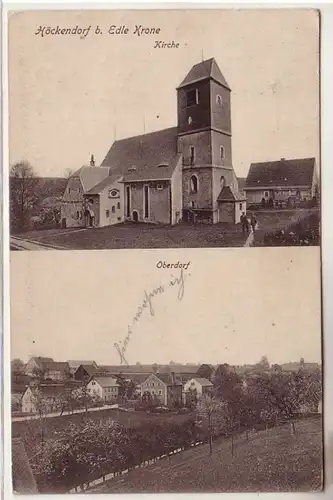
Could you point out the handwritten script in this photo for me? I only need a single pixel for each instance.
(147, 305)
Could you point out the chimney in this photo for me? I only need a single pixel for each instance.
(173, 380)
(92, 161)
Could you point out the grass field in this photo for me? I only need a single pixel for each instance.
(128, 419)
(142, 236)
(272, 461)
(130, 235)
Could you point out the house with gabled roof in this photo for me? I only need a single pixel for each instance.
(178, 173)
(47, 368)
(282, 182)
(75, 363)
(195, 388)
(74, 212)
(105, 388)
(164, 387)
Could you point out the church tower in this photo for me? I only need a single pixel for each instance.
(204, 140)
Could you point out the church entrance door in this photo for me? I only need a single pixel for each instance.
(135, 216)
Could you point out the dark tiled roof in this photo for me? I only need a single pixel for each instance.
(60, 366)
(74, 363)
(23, 479)
(167, 379)
(297, 172)
(241, 183)
(90, 369)
(202, 71)
(228, 195)
(139, 158)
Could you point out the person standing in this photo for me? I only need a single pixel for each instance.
(253, 222)
(244, 223)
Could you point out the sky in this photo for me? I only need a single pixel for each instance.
(237, 305)
(71, 97)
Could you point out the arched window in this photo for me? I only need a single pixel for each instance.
(194, 184)
(222, 155)
(222, 182)
(219, 100)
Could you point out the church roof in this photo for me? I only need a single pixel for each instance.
(108, 181)
(281, 173)
(227, 194)
(91, 176)
(144, 157)
(202, 71)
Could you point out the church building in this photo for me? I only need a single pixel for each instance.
(180, 173)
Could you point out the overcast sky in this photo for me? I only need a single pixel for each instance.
(238, 305)
(68, 96)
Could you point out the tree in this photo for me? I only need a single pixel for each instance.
(23, 197)
(264, 363)
(205, 371)
(228, 387)
(213, 413)
(39, 372)
(126, 388)
(17, 368)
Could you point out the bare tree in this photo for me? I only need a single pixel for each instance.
(23, 196)
(213, 412)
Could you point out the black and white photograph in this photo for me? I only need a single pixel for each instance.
(207, 139)
(183, 354)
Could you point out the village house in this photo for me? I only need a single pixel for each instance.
(47, 368)
(195, 388)
(282, 183)
(44, 398)
(85, 371)
(179, 173)
(74, 364)
(74, 212)
(105, 388)
(164, 387)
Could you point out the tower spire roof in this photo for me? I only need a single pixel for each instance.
(202, 71)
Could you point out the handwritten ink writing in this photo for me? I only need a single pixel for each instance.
(181, 282)
(147, 304)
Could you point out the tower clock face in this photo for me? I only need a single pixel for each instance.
(189, 120)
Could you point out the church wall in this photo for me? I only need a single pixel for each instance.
(200, 113)
(203, 198)
(177, 193)
(202, 143)
(159, 201)
(220, 114)
(218, 140)
(72, 204)
(160, 207)
(110, 204)
(227, 212)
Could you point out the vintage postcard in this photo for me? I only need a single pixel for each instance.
(165, 251)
